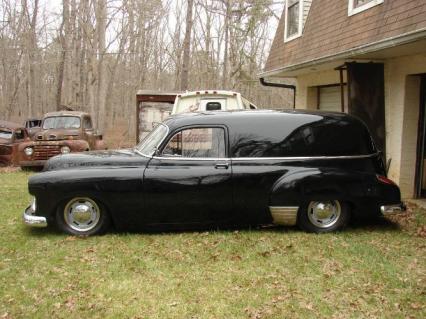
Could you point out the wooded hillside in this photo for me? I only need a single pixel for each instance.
(94, 55)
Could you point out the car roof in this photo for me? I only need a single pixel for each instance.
(65, 113)
(10, 125)
(239, 116)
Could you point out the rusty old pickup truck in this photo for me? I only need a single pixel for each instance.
(61, 133)
(11, 136)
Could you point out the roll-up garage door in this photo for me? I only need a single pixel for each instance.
(329, 98)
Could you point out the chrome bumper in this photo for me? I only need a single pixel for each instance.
(30, 219)
(38, 163)
(393, 209)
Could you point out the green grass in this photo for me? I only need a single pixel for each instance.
(368, 271)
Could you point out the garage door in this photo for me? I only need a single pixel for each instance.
(329, 98)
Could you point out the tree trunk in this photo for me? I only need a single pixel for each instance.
(225, 51)
(101, 17)
(31, 45)
(63, 34)
(186, 47)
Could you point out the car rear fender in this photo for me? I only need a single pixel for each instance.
(297, 187)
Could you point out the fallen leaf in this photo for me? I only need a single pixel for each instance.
(265, 254)
(416, 306)
(421, 231)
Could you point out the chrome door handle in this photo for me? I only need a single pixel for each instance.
(221, 166)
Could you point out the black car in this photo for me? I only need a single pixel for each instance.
(311, 169)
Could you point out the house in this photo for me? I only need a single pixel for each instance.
(366, 58)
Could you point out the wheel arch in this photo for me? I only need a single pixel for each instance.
(96, 196)
(295, 188)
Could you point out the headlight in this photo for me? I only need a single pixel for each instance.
(65, 150)
(28, 151)
(33, 205)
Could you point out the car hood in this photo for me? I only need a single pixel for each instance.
(5, 141)
(111, 158)
(56, 134)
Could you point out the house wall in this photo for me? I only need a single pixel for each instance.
(329, 29)
(402, 85)
(306, 96)
(402, 93)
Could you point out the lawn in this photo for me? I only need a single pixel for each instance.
(368, 271)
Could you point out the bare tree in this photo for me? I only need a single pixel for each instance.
(186, 46)
(64, 34)
(93, 55)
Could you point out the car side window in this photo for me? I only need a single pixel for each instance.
(19, 134)
(197, 142)
(87, 123)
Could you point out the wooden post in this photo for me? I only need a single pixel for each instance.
(137, 119)
(342, 91)
(318, 97)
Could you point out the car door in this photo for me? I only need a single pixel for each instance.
(189, 181)
(19, 136)
(89, 132)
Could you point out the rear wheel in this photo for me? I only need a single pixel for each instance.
(321, 216)
(82, 216)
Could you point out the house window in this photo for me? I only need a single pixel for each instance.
(293, 19)
(356, 6)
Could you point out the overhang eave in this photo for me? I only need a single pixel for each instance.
(408, 43)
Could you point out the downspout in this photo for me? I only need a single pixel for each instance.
(281, 85)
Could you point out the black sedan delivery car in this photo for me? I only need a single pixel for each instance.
(197, 170)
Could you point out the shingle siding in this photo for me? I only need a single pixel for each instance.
(329, 30)
(306, 8)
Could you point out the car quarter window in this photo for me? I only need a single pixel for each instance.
(207, 142)
(297, 136)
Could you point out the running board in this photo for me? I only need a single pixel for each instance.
(284, 215)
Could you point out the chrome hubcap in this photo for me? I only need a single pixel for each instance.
(324, 214)
(81, 214)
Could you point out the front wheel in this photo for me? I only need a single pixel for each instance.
(321, 216)
(82, 216)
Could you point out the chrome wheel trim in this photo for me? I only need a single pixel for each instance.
(324, 214)
(82, 214)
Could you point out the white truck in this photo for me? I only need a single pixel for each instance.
(153, 106)
(210, 100)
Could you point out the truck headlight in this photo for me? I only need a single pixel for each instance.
(65, 150)
(28, 151)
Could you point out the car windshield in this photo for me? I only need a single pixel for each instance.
(61, 122)
(6, 134)
(150, 143)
